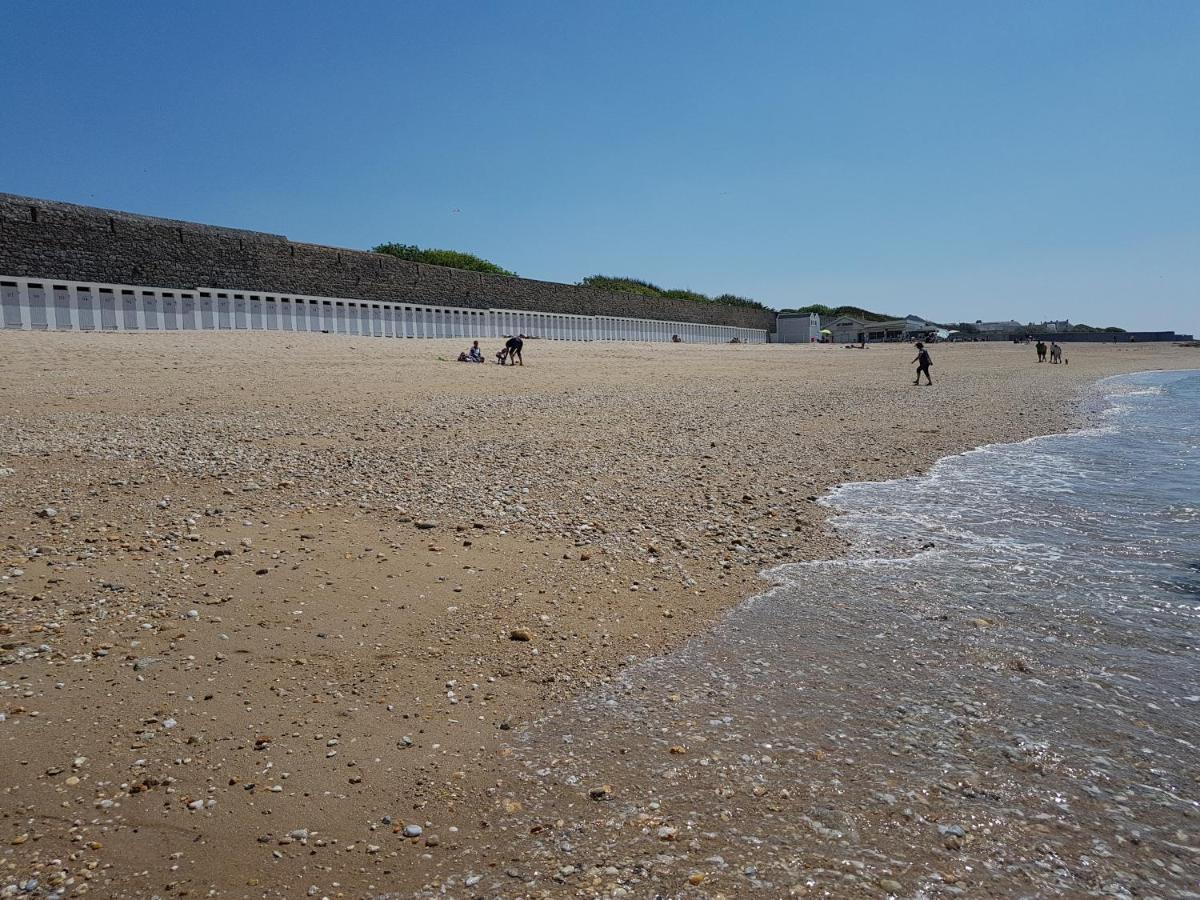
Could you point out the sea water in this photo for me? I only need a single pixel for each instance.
(997, 692)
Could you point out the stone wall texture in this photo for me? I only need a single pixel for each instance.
(47, 239)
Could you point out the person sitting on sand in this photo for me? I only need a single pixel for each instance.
(474, 355)
(512, 348)
(923, 361)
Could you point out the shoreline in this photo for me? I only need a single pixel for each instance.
(688, 499)
(908, 744)
(826, 501)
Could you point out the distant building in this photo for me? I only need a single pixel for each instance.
(1055, 326)
(853, 330)
(1009, 327)
(797, 328)
(910, 328)
(847, 329)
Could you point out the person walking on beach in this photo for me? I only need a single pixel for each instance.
(923, 361)
(1055, 352)
(513, 345)
(1041, 351)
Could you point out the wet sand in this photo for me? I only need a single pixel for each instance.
(269, 600)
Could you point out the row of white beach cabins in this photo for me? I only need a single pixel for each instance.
(39, 305)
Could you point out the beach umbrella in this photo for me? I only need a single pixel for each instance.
(826, 331)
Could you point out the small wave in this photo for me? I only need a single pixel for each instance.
(1152, 391)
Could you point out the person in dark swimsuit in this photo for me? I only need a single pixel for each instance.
(513, 345)
(923, 362)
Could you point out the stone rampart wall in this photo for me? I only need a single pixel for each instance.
(46, 239)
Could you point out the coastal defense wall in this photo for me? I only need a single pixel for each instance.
(1124, 337)
(1084, 337)
(50, 240)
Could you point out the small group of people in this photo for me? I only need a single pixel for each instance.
(1056, 353)
(510, 353)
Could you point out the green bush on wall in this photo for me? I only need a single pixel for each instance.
(451, 259)
(454, 259)
(646, 289)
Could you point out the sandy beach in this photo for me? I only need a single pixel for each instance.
(274, 607)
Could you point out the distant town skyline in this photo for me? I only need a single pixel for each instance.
(956, 161)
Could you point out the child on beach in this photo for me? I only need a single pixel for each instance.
(923, 361)
(474, 355)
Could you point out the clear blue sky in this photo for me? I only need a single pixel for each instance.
(959, 160)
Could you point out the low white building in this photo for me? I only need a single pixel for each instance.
(1009, 327)
(910, 328)
(847, 330)
(853, 330)
(797, 328)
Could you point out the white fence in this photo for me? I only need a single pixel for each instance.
(33, 304)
